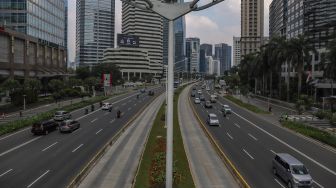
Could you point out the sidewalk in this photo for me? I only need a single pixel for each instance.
(118, 167)
(207, 168)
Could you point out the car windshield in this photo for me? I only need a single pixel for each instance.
(299, 169)
(213, 118)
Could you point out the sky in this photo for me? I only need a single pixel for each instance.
(215, 25)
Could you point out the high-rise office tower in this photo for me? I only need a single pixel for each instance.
(148, 26)
(205, 50)
(41, 19)
(95, 28)
(193, 54)
(278, 18)
(252, 25)
(236, 51)
(223, 55)
(295, 18)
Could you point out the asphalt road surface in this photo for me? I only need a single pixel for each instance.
(251, 143)
(54, 159)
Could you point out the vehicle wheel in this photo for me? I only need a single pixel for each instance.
(46, 132)
(289, 185)
(274, 171)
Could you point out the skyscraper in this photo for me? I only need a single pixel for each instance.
(95, 30)
(205, 50)
(236, 51)
(193, 54)
(278, 18)
(252, 25)
(148, 26)
(41, 19)
(223, 55)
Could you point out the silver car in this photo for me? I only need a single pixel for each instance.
(61, 115)
(212, 120)
(291, 170)
(226, 109)
(197, 101)
(69, 126)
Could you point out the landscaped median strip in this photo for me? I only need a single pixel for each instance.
(219, 150)
(152, 169)
(246, 105)
(311, 132)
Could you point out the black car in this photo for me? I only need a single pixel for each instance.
(193, 94)
(151, 93)
(44, 127)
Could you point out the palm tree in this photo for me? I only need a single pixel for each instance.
(299, 50)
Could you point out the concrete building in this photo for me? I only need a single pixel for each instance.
(252, 26)
(148, 26)
(193, 54)
(95, 29)
(133, 62)
(223, 53)
(40, 19)
(26, 56)
(236, 51)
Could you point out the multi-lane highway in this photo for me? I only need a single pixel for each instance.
(251, 142)
(54, 159)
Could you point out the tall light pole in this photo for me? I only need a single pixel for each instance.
(171, 10)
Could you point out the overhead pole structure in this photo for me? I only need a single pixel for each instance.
(171, 10)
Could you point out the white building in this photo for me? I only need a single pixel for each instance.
(213, 66)
(236, 51)
(133, 62)
(193, 53)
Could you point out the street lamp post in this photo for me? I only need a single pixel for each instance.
(171, 10)
(24, 102)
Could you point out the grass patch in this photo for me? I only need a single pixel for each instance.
(246, 105)
(18, 124)
(152, 171)
(312, 132)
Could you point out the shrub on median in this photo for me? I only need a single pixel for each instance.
(312, 132)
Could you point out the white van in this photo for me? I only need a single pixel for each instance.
(213, 98)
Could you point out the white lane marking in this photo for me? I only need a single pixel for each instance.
(14, 133)
(50, 146)
(237, 125)
(279, 183)
(5, 172)
(106, 113)
(77, 148)
(229, 136)
(99, 131)
(19, 146)
(273, 152)
(247, 153)
(289, 146)
(129, 109)
(254, 138)
(94, 120)
(318, 184)
(38, 178)
(112, 120)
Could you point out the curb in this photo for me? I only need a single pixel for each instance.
(85, 170)
(221, 153)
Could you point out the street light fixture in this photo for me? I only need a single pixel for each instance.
(171, 10)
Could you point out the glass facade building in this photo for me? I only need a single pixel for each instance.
(223, 55)
(95, 29)
(41, 19)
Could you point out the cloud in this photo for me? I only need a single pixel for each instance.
(200, 23)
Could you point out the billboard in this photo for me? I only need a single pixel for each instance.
(127, 40)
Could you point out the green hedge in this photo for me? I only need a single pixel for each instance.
(312, 132)
(246, 105)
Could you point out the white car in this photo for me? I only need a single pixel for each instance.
(107, 106)
(199, 92)
(197, 101)
(208, 88)
(226, 109)
(212, 120)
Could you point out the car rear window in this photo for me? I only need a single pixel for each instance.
(58, 113)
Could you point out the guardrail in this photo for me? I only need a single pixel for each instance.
(220, 152)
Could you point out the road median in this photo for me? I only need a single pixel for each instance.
(247, 106)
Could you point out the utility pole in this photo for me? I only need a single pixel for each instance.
(171, 10)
